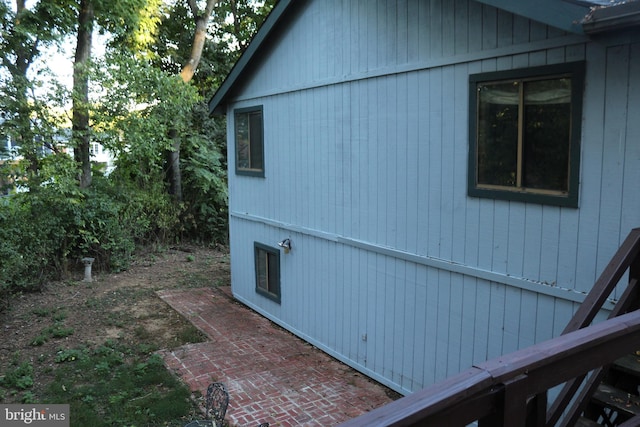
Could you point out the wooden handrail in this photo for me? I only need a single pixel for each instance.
(623, 259)
(511, 390)
(535, 369)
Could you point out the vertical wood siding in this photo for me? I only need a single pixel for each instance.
(366, 143)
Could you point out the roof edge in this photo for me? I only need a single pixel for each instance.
(615, 17)
(216, 103)
(563, 14)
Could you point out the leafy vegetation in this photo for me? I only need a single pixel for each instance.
(117, 385)
(100, 342)
(134, 102)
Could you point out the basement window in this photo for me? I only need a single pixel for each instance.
(524, 133)
(267, 265)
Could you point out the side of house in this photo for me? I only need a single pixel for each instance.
(362, 131)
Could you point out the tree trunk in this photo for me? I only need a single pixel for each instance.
(174, 174)
(80, 120)
(26, 140)
(173, 169)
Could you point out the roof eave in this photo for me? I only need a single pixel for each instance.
(563, 14)
(612, 18)
(217, 103)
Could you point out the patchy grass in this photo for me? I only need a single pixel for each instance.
(93, 345)
(115, 384)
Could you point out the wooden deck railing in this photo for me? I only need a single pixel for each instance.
(511, 390)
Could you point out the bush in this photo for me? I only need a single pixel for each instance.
(45, 232)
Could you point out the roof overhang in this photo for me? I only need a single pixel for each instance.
(217, 104)
(564, 14)
(616, 17)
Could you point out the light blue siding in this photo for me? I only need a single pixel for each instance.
(394, 269)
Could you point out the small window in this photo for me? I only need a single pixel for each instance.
(249, 141)
(525, 134)
(267, 271)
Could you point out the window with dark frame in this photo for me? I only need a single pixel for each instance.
(525, 134)
(267, 266)
(249, 141)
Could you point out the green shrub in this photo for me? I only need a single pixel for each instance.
(45, 232)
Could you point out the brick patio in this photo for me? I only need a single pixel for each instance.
(271, 374)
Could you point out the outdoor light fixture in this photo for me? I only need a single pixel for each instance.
(286, 244)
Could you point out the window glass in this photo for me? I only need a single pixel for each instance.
(525, 134)
(267, 264)
(498, 133)
(249, 141)
(547, 135)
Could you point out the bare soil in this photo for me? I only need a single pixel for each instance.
(121, 306)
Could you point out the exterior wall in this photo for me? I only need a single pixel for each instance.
(394, 269)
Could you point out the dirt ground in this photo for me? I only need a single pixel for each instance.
(120, 306)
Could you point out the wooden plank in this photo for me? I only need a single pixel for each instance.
(421, 404)
(410, 330)
(457, 345)
(549, 245)
(497, 310)
(448, 28)
(504, 28)
(629, 250)
(489, 27)
(422, 183)
(592, 158)
(413, 31)
(402, 32)
(443, 325)
(629, 364)
(432, 332)
(517, 241)
(448, 163)
(630, 209)
(461, 26)
(621, 402)
(436, 29)
(617, 82)
(533, 249)
(475, 26)
(512, 313)
(459, 159)
(412, 162)
(435, 161)
(403, 179)
(421, 328)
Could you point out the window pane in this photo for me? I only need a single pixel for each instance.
(547, 134)
(255, 132)
(242, 140)
(498, 133)
(262, 269)
(273, 273)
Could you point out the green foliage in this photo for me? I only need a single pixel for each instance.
(18, 376)
(105, 222)
(117, 385)
(139, 108)
(204, 179)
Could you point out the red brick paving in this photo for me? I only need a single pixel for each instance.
(271, 374)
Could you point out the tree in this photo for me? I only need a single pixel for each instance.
(125, 19)
(25, 32)
(245, 17)
(80, 121)
(201, 20)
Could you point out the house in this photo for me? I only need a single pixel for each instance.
(420, 185)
